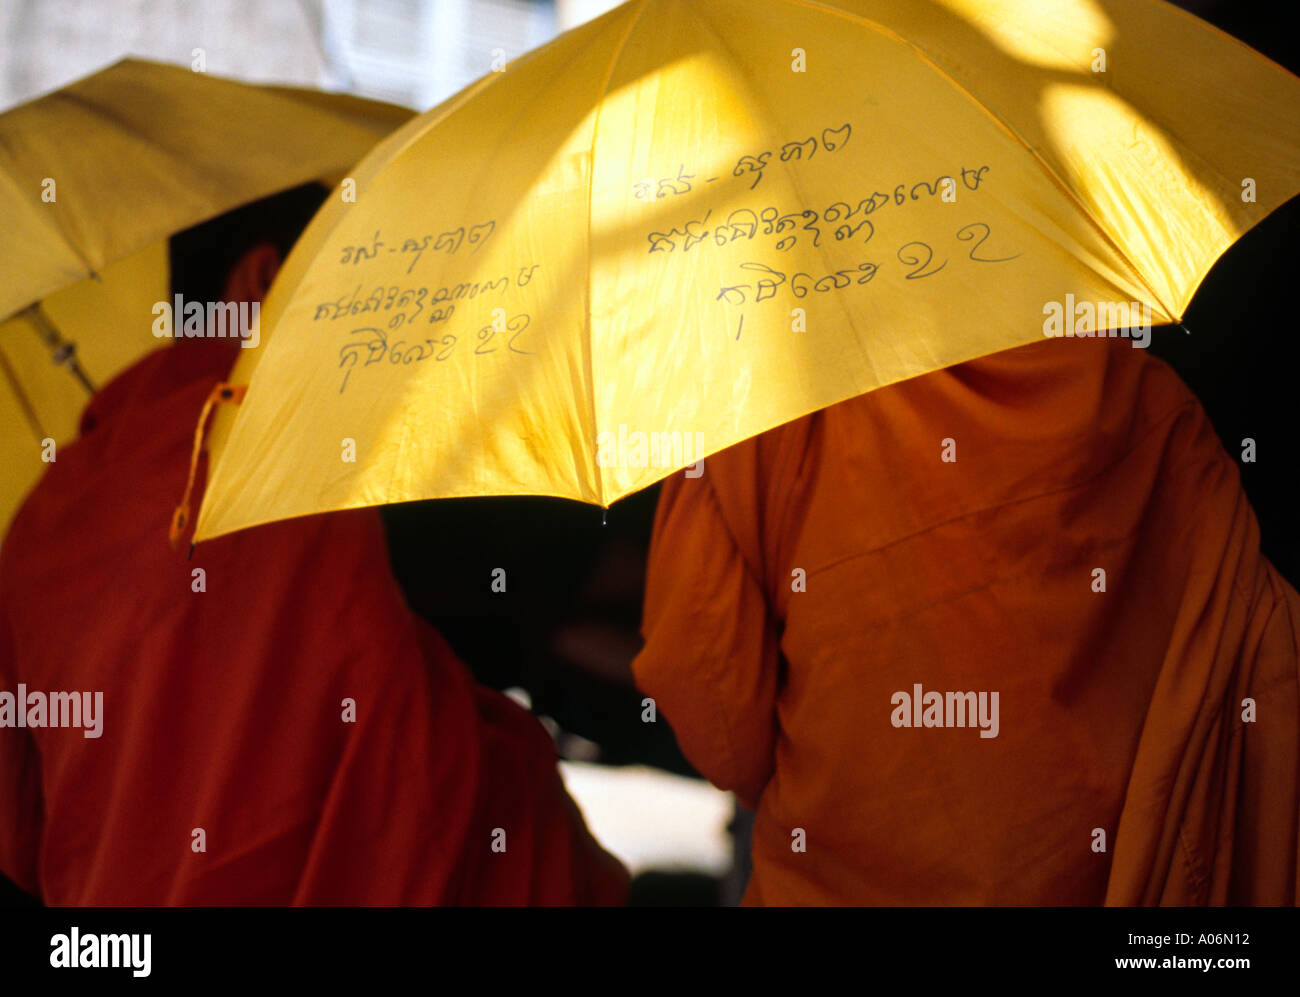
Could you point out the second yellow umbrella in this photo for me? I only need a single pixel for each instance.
(93, 178)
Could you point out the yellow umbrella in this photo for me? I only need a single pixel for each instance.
(41, 395)
(93, 179)
(686, 222)
(140, 150)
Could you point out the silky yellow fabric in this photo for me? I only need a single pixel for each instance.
(686, 222)
(94, 178)
(140, 150)
(39, 400)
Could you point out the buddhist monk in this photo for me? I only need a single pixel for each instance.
(1001, 634)
(265, 721)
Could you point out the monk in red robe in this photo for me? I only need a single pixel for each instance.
(1002, 634)
(274, 725)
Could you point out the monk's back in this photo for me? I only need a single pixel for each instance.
(980, 579)
(277, 726)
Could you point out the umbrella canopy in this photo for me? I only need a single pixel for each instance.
(42, 399)
(687, 222)
(141, 150)
(93, 179)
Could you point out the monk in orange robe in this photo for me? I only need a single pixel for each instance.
(264, 722)
(1001, 634)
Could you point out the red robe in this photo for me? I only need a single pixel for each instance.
(801, 590)
(224, 710)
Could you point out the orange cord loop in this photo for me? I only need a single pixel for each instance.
(221, 393)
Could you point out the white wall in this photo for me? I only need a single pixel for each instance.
(413, 52)
(45, 44)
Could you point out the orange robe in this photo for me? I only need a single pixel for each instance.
(285, 702)
(1127, 767)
